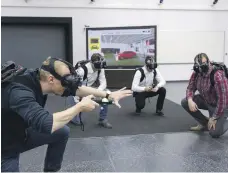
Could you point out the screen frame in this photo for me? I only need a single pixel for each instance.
(124, 28)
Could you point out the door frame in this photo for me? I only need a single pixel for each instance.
(226, 48)
(65, 22)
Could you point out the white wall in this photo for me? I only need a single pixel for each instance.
(183, 15)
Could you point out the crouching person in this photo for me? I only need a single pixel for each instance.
(93, 75)
(148, 82)
(211, 82)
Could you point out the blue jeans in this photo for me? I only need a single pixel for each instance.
(103, 111)
(54, 155)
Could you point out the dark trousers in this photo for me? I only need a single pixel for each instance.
(141, 97)
(221, 125)
(54, 155)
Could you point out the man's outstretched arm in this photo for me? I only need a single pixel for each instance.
(85, 91)
(116, 95)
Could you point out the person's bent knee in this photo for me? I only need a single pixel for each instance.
(162, 90)
(64, 132)
(184, 102)
(215, 133)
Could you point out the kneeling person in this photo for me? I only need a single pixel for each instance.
(93, 75)
(212, 85)
(144, 85)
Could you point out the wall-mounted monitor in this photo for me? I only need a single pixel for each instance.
(122, 47)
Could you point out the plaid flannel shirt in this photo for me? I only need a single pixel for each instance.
(215, 96)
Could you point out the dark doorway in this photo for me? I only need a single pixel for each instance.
(30, 40)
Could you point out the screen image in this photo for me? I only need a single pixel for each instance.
(124, 47)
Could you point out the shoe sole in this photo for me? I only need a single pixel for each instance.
(101, 125)
(198, 130)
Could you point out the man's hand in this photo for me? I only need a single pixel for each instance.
(63, 117)
(86, 104)
(148, 89)
(211, 123)
(119, 94)
(192, 105)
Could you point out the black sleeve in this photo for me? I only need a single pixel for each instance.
(23, 102)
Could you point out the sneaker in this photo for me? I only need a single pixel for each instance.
(104, 123)
(199, 127)
(159, 113)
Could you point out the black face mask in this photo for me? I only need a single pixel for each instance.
(70, 82)
(203, 68)
(199, 66)
(100, 64)
(150, 64)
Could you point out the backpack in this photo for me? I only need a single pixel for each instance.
(82, 64)
(216, 66)
(9, 70)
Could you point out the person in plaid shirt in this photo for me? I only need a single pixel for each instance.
(213, 98)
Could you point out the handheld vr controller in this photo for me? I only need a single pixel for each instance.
(103, 101)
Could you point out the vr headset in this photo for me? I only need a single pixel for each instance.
(199, 66)
(98, 61)
(70, 82)
(150, 63)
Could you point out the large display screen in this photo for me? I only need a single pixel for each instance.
(122, 47)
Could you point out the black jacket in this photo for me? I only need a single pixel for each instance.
(22, 107)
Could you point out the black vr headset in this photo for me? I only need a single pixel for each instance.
(199, 66)
(150, 63)
(70, 82)
(98, 61)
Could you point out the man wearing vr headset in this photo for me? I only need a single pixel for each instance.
(93, 74)
(213, 96)
(148, 82)
(25, 122)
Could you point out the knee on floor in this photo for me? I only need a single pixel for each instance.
(215, 133)
(184, 102)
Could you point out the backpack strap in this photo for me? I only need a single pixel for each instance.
(195, 77)
(212, 77)
(97, 82)
(141, 79)
(98, 74)
(155, 82)
(155, 73)
(142, 74)
(85, 72)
